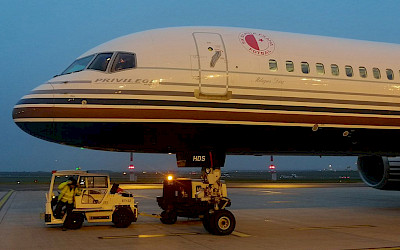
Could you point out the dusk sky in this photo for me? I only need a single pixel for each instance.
(39, 39)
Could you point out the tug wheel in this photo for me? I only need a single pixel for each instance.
(74, 221)
(122, 217)
(168, 217)
(221, 222)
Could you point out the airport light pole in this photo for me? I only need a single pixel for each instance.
(272, 170)
(132, 176)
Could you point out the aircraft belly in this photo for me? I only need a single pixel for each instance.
(161, 137)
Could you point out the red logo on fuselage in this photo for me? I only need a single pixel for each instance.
(257, 43)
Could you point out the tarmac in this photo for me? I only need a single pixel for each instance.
(316, 216)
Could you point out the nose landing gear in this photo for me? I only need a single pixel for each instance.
(205, 198)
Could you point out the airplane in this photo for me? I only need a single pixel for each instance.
(236, 91)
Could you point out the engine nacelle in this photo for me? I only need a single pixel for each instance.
(380, 172)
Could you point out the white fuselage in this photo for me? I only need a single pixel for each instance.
(238, 90)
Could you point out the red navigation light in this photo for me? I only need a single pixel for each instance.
(54, 171)
(131, 167)
(272, 166)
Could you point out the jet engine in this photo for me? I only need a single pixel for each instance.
(380, 172)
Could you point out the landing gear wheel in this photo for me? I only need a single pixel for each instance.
(73, 221)
(122, 217)
(168, 217)
(222, 222)
(207, 222)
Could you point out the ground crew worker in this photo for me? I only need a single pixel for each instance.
(66, 198)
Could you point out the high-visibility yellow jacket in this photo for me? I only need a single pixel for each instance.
(67, 194)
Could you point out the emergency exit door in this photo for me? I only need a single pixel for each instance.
(212, 64)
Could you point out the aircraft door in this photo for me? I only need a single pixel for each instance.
(213, 66)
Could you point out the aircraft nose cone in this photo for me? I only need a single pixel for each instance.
(31, 109)
(33, 119)
(18, 113)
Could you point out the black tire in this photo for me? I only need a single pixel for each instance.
(122, 217)
(74, 221)
(207, 222)
(222, 222)
(168, 217)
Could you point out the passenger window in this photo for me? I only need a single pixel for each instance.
(101, 61)
(305, 68)
(78, 65)
(273, 65)
(289, 66)
(335, 69)
(349, 71)
(377, 73)
(320, 68)
(363, 72)
(389, 74)
(124, 61)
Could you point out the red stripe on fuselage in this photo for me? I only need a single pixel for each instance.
(199, 115)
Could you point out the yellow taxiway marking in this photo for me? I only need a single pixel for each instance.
(333, 227)
(235, 233)
(380, 248)
(143, 196)
(145, 236)
(5, 198)
(270, 192)
(274, 185)
(140, 186)
(150, 215)
(239, 234)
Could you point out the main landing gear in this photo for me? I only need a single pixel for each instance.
(205, 198)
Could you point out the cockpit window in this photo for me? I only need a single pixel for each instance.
(124, 61)
(101, 62)
(78, 65)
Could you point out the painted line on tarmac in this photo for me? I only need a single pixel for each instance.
(379, 248)
(270, 192)
(235, 233)
(150, 215)
(143, 196)
(333, 227)
(277, 202)
(5, 198)
(145, 236)
(239, 234)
